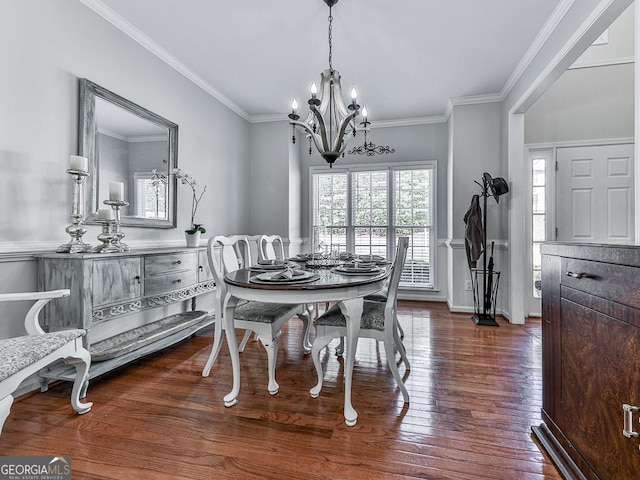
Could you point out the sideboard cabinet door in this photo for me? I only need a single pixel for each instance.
(116, 280)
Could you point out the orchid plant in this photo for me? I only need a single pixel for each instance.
(196, 194)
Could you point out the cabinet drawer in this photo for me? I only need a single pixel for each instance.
(159, 284)
(115, 280)
(155, 264)
(618, 283)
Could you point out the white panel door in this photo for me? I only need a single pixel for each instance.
(594, 194)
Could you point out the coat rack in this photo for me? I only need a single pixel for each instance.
(483, 304)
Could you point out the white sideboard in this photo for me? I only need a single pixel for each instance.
(107, 290)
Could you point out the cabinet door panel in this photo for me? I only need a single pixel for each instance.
(204, 272)
(600, 372)
(579, 390)
(115, 280)
(619, 383)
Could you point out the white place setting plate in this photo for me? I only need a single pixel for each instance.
(356, 271)
(281, 279)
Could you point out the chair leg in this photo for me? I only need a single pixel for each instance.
(5, 408)
(397, 340)
(215, 348)
(340, 348)
(318, 345)
(391, 361)
(245, 339)
(306, 321)
(81, 360)
(271, 346)
(400, 330)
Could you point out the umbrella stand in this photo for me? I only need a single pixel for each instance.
(484, 301)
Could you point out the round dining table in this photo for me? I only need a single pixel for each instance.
(329, 286)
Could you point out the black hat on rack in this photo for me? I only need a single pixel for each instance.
(498, 186)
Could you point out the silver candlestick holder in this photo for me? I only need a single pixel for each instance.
(108, 237)
(116, 205)
(76, 230)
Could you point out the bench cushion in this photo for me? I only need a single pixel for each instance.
(19, 352)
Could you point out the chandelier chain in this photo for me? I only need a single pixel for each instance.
(330, 38)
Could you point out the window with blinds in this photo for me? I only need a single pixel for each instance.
(364, 210)
(150, 197)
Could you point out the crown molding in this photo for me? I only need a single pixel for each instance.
(542, 37)
(603, 63)
(273, 117)
(401, 122)
(116, 20)
(476, 99)
(405, 122)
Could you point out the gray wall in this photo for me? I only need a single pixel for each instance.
(48, 46)
(596, 102)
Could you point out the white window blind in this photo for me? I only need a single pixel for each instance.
(364, 210)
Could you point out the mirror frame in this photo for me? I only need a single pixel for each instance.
(89, 91)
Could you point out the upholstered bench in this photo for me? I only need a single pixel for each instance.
(21, 357)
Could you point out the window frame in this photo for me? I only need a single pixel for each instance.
(391, 226)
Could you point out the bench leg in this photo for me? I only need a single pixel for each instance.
(81, 360)
(5, 407)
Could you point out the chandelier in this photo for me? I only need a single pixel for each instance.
(369, 148)
(330, 122)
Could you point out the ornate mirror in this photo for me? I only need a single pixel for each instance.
(127, 143)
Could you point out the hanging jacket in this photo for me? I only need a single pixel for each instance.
(474, 232)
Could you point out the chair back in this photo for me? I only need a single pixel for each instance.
(226, 254)
(271, 247)
(394, 280)
(235, 252)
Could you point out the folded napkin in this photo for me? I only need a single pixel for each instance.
(287, 274)
(271, 262)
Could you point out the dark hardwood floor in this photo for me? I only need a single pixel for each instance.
(475, 393)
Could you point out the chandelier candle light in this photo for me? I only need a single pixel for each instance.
(330, 122)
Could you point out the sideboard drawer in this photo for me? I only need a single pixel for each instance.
(158, 284)
(619, 283)
(156, 264)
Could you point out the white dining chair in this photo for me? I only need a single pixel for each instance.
(265, 319)
(271, 247)
(378, 322)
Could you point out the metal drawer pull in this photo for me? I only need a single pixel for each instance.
(178, 262)
(177, 281)
(577, 275)
(629, 410)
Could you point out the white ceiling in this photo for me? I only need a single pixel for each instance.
(407, 58)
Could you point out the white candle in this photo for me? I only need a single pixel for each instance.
(79, 163)
(106, 214)
(116, 191)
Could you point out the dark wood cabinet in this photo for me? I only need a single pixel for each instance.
(591, 359)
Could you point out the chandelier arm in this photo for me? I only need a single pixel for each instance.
(323, 129)
(316, 138)
(345, 123)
